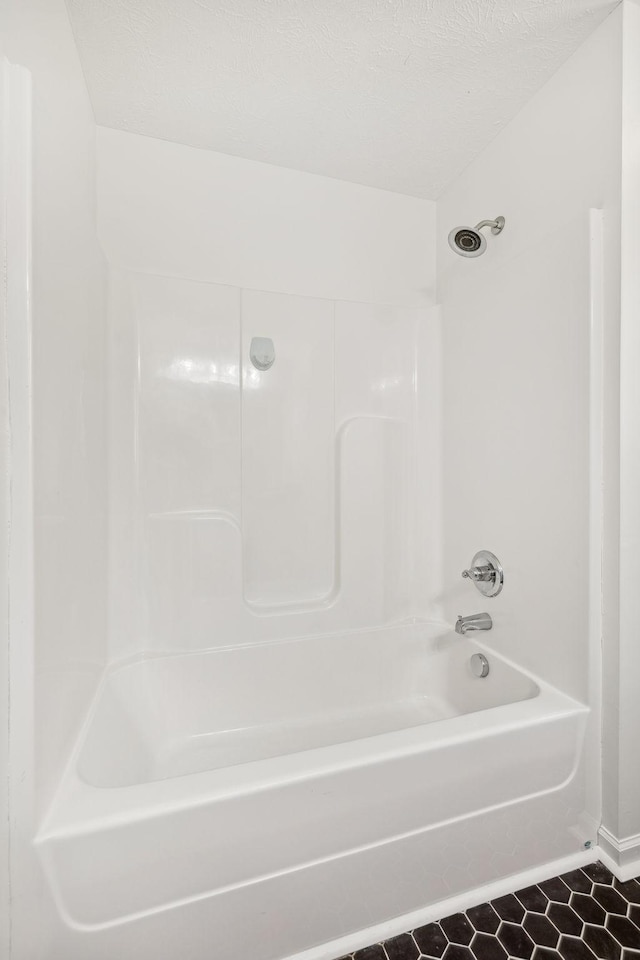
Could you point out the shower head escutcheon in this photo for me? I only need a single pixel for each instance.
(469, 242)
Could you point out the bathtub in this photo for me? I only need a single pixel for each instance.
(358, 777)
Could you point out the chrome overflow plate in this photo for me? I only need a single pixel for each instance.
(486, 572)
(479, 666)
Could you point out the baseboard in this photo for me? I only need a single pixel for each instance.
(443, 908)
(622, 857)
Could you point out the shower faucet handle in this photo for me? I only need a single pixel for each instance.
(476, 574)
(486, 573)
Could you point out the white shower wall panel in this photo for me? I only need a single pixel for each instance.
(288, 454)
(188, 395)
(249, 504)
(205, 251)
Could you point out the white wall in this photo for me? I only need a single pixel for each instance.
(620, 835)
(68, 645)
(5, 506)
(250, 505)
(516, 349)
(516, 335)
(520, 320)
(178, 211)
(629, 663)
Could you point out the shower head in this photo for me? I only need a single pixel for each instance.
(469, 242)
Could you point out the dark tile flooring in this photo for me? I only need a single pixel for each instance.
(582, 915)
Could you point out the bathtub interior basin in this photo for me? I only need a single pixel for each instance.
(171, 716)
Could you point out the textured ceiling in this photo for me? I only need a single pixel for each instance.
(398, 94)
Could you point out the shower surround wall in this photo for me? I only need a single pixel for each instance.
(250, 505)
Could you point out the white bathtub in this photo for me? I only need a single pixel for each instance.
(322, 800)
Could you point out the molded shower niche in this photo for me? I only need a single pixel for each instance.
(266, 503)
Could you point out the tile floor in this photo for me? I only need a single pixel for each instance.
(582, 915)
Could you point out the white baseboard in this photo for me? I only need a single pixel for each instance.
(622, 857)
(443, 908)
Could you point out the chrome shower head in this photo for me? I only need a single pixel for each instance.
(469, 242)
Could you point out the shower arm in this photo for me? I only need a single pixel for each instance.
(496, 225)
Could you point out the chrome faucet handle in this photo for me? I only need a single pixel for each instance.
(485, 571)
(477, 574)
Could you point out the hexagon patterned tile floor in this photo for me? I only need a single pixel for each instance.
(582, 915)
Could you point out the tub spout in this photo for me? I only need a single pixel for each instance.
(476, 621)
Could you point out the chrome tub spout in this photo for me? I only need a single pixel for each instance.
(475, 621)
